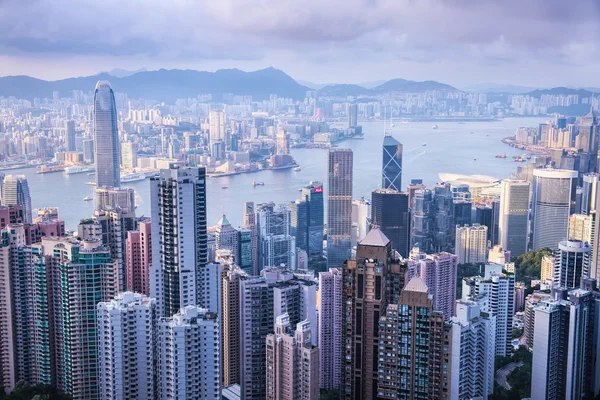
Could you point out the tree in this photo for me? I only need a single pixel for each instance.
(528, 265)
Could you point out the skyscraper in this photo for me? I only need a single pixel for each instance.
(352, 110)
(438, 271)
(250, 224)
(339, 207)
(180, 275)
(330, 328)
(106, 137)
(70, 135)
(471, 243)
(138, 258)
(15, 191)
(126, 347)
(571, 264)
(307, 221)
(389, 211)
(227, 237)
(371, 281)
(589, 193)
(552, 202)
(189, 355)
(392, 164)
(514, 216)
(217, 129)
(277, 246)
(414, 348)
(292, 362)
(230, 316)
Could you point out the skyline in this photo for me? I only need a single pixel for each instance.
(452, 41)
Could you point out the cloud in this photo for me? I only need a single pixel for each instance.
(483, 32)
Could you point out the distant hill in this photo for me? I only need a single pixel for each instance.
(560, 90)
(498, 88)
(122, 73)
(391, 86)
(166, 85)
(574, 110)
(343, 90)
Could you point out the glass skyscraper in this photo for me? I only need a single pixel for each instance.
(106, 136)
(339, 206)
(307, 219)
(389, 211)
(392, 164)
(15, 191)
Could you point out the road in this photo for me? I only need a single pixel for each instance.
(503, 373)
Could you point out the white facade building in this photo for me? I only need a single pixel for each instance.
(471, 244)
(330, 328)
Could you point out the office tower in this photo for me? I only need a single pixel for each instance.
(189, 355)
(108, 198)
(180, 275)
(423, 221)
(587, 139)
(495, 228)
(227, 237)
(339, 207)
(473, 352)
(495, 293)
(552, 202)
(462, 212)
(414, 348)
(15, 191)
(371, 281)
(581, 227)
(352, 110)
(471, 244)
(531, 301)
(361, 217)
(277, 246)
(230, 289)
(563, 347)
(138, 257)
(307, 221)
(438, 271)
(106, 137)
(70, 135)
(126, 347)
(245, 250)
(82, 275)
(330, 328)
(391, 170)
(292, 362)
(390, 212)
(129, 155)
(497, 255)
(589, 193)
(444, 219)
(250, 224)
(88, 151)
(571, 263)
(514, 216)
(262, 299)
(217, 129)
(484, 215)
(282, 144)
(412, 188)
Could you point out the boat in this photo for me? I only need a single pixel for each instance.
(224, 187)
(424, 144)
(434, 126)
(300, 189)
(501, 155)
(393, 125)
(297, 169)
(254, 183)
(78, 169)
(133, 177)
(44, 169)
(474, 159)
(88, 198)
(91, 183)
(91, 174)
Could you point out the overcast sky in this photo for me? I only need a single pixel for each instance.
(460, 42)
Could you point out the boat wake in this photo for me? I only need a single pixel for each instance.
(418, 155)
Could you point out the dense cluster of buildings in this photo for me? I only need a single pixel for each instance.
(361, 299)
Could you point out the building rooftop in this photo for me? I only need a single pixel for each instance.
(223, 221)
(375, 238)
(389, 140)
(416, 284)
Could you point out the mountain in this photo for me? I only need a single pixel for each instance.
(122, 73)
(498, 88)
(166, 85)
(343, 90)
(560, 90)
(394, 85)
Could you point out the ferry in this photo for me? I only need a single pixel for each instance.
(44, 169)
(424, 144)
(224, 187)
(134, 177)
(297, 169)
(254, 183)
(501, 155)
(434, 126)
(92, 183)
(77, 169)
(88, 198)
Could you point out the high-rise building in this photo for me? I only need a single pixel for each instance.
(189, 355)
(282, 143)
(462, 210)
(371, 281)
(217, 129)
(250, 224)
(262, 299)
(70, 135)
(307, 221)
(571, 264)
(330, 328)
(232, 334)
(587, 140)
(352, 110)
(227, 237)
(108, 198)
(531, 301)
(547, 268)
(292, 362)
(180, 274)
(361, 217)
(414, 348)
(391, 170)
(277, 246)
(339, 207)
(432, 227)
(552, 202)
(82, 275)
(15, 191)
(484, 215)
(138, 258)
(495, 294)
(581, 227)
(126, 347)
(438, 271)
(497, 255)
(589, 193)
(514, 216)
(471, 244)
(129, 154)
(563, 343)
(390, 212)
(473, 352)
(88, 151)
(106, 137)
